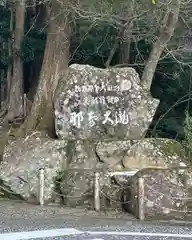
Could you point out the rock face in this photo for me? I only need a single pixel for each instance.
(76, 182)
(167, 194)
(70, 167)
(77, 185)
(103, 103)
(154, 153)
(140, 154)
(111, 153)
(93, 105)
(101, 117)
(22, 160)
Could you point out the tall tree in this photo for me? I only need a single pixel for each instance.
(15, 105)
(125, 43)
(10, 45)
(54, 68)
(166, 31)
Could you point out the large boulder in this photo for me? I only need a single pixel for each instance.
(99, 111)
(111, 153)
(70, 167)
(137, 155)
(87, 157)
(22, 161)
(77, 180)
(167, 179)
(167, 194)
(96, 103)
(155, 153)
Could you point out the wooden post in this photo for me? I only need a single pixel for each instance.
(41, 186)
(97, 192)
(141, 198)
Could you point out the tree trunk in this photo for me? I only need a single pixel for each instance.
(165, 34)
(122, 43)
(10, 45)
(10, 67)
(15, 107)
(54, 68)
(113, 49)
(125, 44)
(42, 15)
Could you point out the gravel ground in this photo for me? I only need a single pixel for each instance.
(17, 209)
(18, 217)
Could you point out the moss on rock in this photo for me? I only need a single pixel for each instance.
(170, 147)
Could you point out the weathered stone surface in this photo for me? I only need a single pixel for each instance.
(112, 152)
(143, 154)
(139, 154)
(22, 160)
(166, 194)
(167, 191)
(113, 186)
(76, 182)
(155, 153)
(86, 158)
(102, 103)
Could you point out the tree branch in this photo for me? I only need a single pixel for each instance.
(165, 33)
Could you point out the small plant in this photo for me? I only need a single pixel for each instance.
(57, 180)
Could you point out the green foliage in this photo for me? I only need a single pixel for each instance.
(91, 44)
(171, 85)
(33, 46)
(4, 35)
(4, 22)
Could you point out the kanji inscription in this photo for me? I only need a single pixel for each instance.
(97, 95)
(121, 117)
(94, 103)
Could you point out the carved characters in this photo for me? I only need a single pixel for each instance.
(120, 117)
(76, 119)
(107, 118)
(92, 118)
(93, 95)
